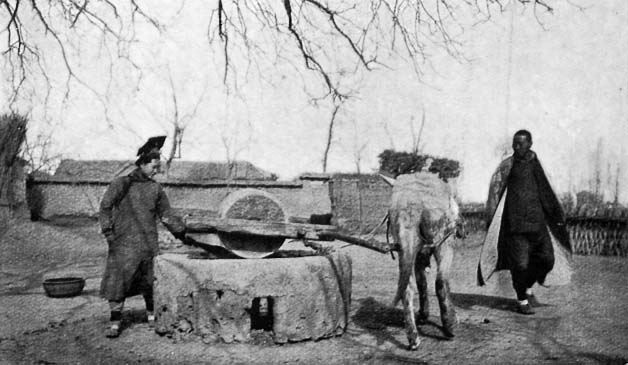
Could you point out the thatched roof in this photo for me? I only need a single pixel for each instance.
(363, 177)
(106, 170)
(315, 176)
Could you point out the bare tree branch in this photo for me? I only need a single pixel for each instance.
(335, 41)
(330, 134)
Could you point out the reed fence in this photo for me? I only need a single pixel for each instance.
(602, 231)
(593, 231)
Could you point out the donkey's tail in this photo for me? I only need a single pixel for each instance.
(408, 240)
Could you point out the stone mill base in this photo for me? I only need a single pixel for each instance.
(294, 299)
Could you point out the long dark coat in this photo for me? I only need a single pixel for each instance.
(128, 212)
(495, 243)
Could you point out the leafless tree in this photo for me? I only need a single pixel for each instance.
(330, 39)
(616, 190)
(368, 30)
(37, 153)
(180, 120)
(233, 142)
(391, 139)
(359, 146)
(39, 35)
(12, 134)
(325, 45)
(330, 132)
(416, 135)
(596, 179)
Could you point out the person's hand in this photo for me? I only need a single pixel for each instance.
(179, 235)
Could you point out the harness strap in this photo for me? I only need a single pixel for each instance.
(436, 244)
(390, 247)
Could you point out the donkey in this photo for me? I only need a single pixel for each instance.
(423, 221)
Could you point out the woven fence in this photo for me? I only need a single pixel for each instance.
(593, 231)
(599, 231)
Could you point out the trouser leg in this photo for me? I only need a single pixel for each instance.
(115, 319)
(148, 299)
(145, 279)
(116, 308)
(519, 259)
(541, 257)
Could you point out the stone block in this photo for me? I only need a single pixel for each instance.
(295, 299)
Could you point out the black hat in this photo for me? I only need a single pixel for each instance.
(150, 150)
(153, 144)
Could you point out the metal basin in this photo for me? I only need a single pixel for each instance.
(64, 287)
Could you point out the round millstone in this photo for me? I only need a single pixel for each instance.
(254, 205)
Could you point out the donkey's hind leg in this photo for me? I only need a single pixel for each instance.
(408, 310)
(420, 265)
(444, 255)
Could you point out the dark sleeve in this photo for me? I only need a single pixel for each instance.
(113, 195)
(173, 222)
(549, 201)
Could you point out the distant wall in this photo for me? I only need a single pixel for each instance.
(58, 197)
(359, 204)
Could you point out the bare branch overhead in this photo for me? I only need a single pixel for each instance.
(332, 40)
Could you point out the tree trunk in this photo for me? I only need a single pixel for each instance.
(330, 134)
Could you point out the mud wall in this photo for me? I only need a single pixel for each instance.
(359, 204)
(58, 197)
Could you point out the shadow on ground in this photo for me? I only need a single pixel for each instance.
(133, 317)
(602, 359)
(468, 301)
(375, 318)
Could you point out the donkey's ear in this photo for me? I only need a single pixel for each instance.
(389, 180)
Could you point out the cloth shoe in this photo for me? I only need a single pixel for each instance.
(525, 309)
(533, 301)
(114, 329)
(150, 317)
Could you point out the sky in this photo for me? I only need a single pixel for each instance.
(564, 77)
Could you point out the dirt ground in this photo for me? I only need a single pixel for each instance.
(586, 322)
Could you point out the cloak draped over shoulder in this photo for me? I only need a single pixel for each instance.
(129, 211)
(492, 256)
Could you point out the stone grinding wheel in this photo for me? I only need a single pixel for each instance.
(255, 205)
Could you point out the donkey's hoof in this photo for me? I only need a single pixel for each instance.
(449, 333)
(413, 346)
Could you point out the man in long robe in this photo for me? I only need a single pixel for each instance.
(526, 232)
(128, 213)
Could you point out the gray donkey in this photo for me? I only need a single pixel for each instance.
(424, 221)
